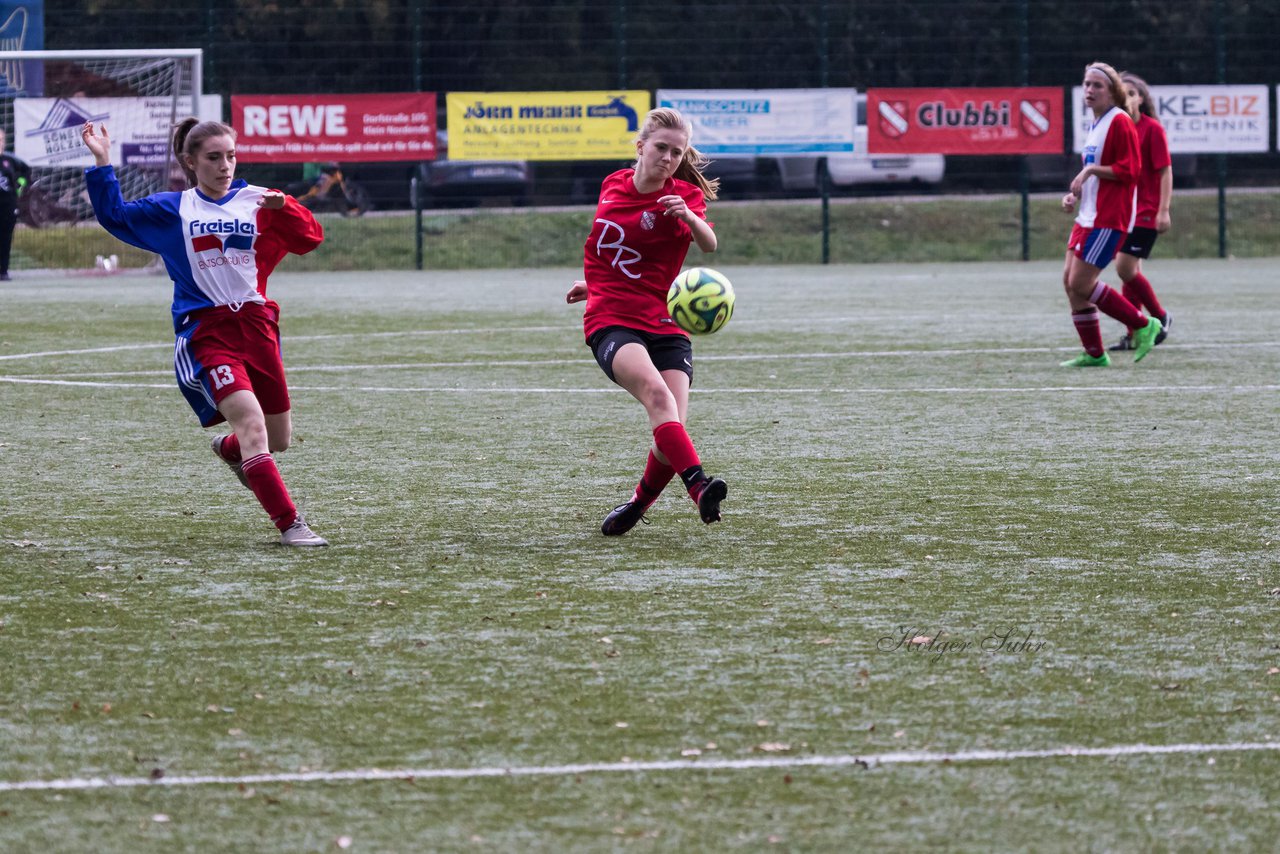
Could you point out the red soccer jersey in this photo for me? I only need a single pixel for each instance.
(1113, 142)
(633, 252)
(1154, 146)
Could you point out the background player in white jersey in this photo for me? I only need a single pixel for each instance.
(219, 241)
(1104, 191)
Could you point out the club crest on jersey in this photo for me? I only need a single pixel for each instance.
(648, 220)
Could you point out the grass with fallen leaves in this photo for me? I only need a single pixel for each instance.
(936, 540)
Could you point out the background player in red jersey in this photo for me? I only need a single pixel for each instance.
(219, 241)
(1155, 190)
(647, 216)
(1104, 191)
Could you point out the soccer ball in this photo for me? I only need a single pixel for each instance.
(700, 300)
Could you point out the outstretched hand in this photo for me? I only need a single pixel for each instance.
(99, 144)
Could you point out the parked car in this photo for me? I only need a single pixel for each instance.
(443, 182)
(743, 177)
(1055, 171)
(800, 173)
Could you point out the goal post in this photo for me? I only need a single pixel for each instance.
(46, 96)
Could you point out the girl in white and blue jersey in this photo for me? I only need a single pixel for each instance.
(220, 240)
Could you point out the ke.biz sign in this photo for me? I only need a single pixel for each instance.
(1200, 119)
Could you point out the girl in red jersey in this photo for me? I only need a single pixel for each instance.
(219, 241)
(1155, 189)
(647, 216)
(1104, 190)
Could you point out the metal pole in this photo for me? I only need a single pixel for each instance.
(419, 256)
(1024, 170)
(1221, 50)
(622, 43)
(824, 174)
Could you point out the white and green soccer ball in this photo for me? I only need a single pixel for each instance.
(700, 300)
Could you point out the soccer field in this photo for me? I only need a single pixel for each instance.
(961, 598)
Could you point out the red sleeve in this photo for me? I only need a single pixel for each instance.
(282, 231)
(1121, 151)
(1157, 153)
(291, 228)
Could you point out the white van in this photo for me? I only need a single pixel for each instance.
(800, 174)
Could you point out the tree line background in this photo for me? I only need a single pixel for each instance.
(394, 45)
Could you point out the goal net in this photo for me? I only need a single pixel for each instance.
(45, 99)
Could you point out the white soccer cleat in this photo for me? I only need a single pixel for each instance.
(300, 534)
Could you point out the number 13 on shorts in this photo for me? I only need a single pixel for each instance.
(221, 376)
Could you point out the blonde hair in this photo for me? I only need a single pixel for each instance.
(1118, 94)
(1146, 108)
(191, 133)
(694, 161)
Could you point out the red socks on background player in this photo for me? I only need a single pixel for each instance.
(1139, 292)
(1089, 328)
(1112, 304)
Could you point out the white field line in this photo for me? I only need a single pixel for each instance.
(61, 378)
(168, 345)
(534, 363)
(871, 760)
(789, 390)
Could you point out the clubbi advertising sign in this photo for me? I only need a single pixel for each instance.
(1021, 120)
(352, 128)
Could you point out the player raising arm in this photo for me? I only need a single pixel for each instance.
(219, 241)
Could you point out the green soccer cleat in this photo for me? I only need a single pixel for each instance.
(1145, 338)
(1084, 360)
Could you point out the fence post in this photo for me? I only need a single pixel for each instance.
(1024, 170)
(824, 174)
(1220, 49)
(418, 255)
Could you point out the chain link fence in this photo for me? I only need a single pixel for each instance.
(370, 46)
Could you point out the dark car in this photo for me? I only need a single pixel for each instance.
(1055, 171)
(469, 183)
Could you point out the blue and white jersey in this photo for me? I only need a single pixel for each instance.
(217, 252)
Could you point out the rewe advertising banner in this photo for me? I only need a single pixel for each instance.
(1021, 120)
(749, 122)
(350, 128)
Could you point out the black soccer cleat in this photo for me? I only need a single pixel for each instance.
(709, 500)
(623, 518)
(1165, 323)
(1125, 343)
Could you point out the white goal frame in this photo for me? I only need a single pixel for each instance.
(167, 85)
